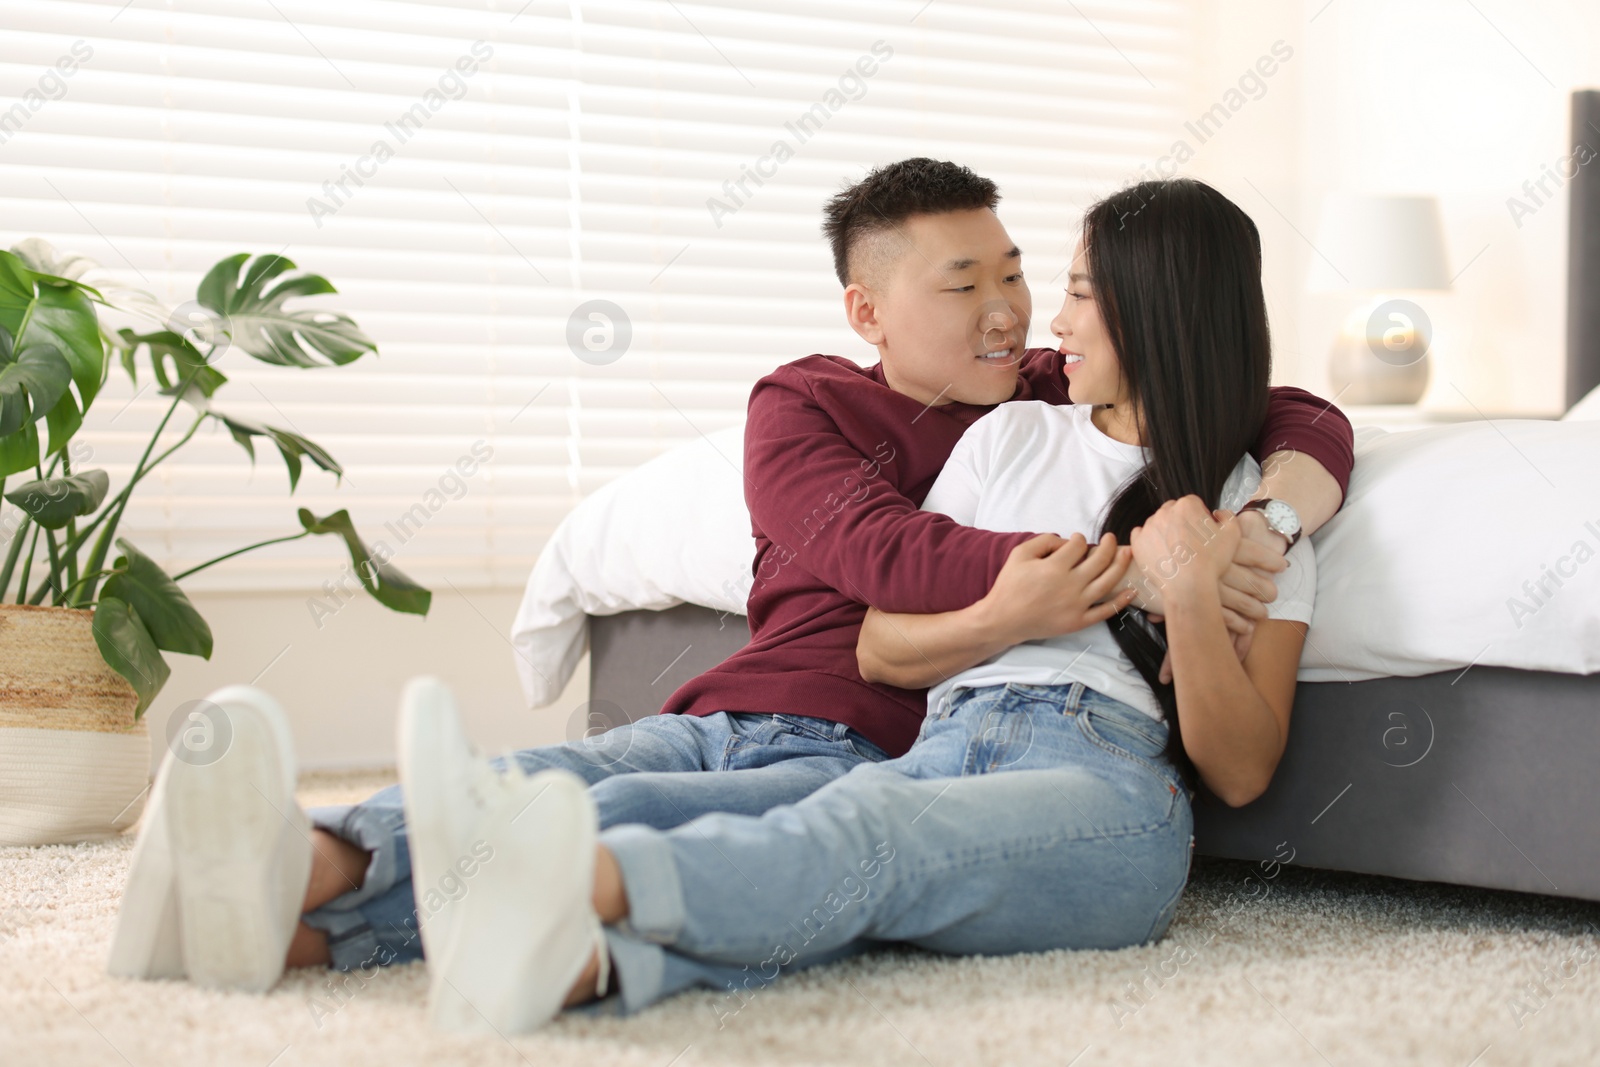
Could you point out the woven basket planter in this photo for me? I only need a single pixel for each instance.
(74, 764)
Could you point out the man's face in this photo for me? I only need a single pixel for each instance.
(947, 307)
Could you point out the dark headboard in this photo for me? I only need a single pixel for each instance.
(1583, 252)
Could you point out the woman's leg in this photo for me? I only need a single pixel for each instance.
(1085, 844)
(337, 867)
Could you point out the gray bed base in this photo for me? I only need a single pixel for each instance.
(1483, 778)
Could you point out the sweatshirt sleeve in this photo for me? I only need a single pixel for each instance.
(835, 508)
(1302, 422)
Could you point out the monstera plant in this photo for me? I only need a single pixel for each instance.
(60, 540)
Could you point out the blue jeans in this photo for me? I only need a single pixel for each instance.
(1027, 818)
(637, 773)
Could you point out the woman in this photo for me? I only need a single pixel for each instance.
(1046, 803)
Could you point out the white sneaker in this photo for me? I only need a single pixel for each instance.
(502, 869)
(147, 943)
(526, 928)
(444, 787)
(240, 845)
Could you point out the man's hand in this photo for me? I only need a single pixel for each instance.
(1052, 585)
(1247, 587)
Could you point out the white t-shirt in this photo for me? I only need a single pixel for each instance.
(1029, 465)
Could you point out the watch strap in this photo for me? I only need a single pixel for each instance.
(1260, 504)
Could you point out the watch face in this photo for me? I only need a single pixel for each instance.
(1282, 518)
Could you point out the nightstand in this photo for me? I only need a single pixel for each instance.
(1411, 417)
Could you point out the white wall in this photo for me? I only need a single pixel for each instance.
(340, 683)
(1461, 101)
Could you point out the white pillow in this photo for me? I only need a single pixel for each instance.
(1437, 558)
(1421, 571)
(672, 530)
(1585, 410)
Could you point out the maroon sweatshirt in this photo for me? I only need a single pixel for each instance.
(836, 465)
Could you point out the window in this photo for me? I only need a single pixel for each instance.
(472, 176)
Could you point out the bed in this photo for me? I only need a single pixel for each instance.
(1480, 774)
(1482, 777)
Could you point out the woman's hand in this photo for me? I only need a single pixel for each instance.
(1235, 717)
(1052, 585)
(1246, 585)
(1185, 544)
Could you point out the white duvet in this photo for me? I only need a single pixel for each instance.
(671, 531)
(1468, 544)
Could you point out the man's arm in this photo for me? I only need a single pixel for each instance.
(1307, 451)
(834, 509)
(917, 651)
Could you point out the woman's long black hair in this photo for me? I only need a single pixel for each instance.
(1176, 272)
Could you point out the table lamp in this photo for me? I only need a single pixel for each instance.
(1381, 247)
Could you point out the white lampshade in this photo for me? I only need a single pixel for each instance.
(1379, 243)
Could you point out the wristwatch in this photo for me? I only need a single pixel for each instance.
(1280, 515)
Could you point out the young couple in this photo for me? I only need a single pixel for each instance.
(1077, 580)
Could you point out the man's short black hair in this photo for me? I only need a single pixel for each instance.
(894, 192)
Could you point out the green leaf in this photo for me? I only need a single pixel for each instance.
(126, 645)
(385, 582)
(172, 621)
(62, 421)
(33, 385)
(290, 445)
(54, 502)
(41, 257)
(19, 451)
(166, 346)
(57, 312)
(125, 352)
(33, 379)
(254, 318)
(42, 312)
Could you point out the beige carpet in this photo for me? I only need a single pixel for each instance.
(1317, 969)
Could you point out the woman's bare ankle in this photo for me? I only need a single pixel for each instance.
(337, 867)
(308, 948)
(587, 986)
(610, 895)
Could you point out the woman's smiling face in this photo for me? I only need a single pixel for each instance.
(1093, 370)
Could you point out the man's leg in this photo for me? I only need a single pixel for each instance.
(374, 914)
(638, 772)
(764, 761)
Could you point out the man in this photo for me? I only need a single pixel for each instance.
(837, 461)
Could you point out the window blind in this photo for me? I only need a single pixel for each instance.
(473, 177)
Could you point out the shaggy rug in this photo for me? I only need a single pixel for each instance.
(1265, 963)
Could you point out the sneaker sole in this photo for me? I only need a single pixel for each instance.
(225, 820)
(525, 930)
(147, 940)
(428, 725)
